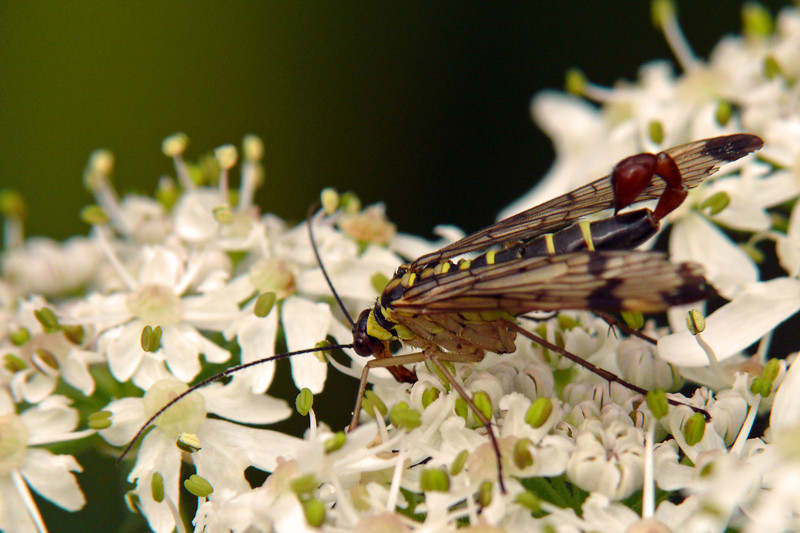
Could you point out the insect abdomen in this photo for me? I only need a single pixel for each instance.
(621, 232)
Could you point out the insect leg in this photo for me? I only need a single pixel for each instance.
(603, 373)
(380, 362)
(435, 359)
(614, 322)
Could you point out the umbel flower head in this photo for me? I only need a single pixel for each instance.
(167, 289)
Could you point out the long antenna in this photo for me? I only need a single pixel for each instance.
(309, 217)
(217, 377)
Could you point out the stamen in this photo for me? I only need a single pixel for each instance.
(665, 18)
(713, 362)
(747, 425)
(226, 156)
(111, 255)
(252, 170)
(199, 486)
(312, 425)
(176, 516)
(12, 208)
(97, 180)
(648, 484)
(397, 475)
(696, 323)
(174, 146)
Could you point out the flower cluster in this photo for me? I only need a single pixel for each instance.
(165, 289)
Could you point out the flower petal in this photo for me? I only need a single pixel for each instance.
(306, 323)
(182, 344)
(160, 266)
(32, 386)
(75, 370)
(13, 512)
(228, 449)
(157, 454)
(785, 415)
(51, 416)
(151, 370)
(127, 416)
(51, 476)
(237, 401)
(755, 311)
(788, 247)
(256, 337)
(122, 346)
(210, 311)
(194, 215)
(694, 238)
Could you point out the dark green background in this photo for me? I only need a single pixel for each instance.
(421, 105)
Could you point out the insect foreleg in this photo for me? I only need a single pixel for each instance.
(395, 360)
(399, 360)
(435, 357)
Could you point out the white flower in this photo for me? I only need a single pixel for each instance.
(23, 466)
(330, 475)
(46, 356)
(145, 219)
(640, 365)
(607, 459)
(49, 268)
(159, 296)
(272, 506)
(289, 270)
(226, 449)
(197, 222)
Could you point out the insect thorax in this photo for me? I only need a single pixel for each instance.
(466, 332)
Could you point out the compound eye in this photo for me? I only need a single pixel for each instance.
(363, 344)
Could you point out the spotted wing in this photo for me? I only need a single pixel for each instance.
(599, 281)
(696, 161)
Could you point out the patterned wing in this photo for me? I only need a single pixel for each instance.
(696, 161)
(599, 281)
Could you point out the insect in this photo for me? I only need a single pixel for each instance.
(542, 259)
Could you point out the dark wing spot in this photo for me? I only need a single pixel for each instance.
(693, 287)
(732, 147)
(597, 264)
(603, 298)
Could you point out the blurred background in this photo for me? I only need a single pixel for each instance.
(421, 105)
(424, 106)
